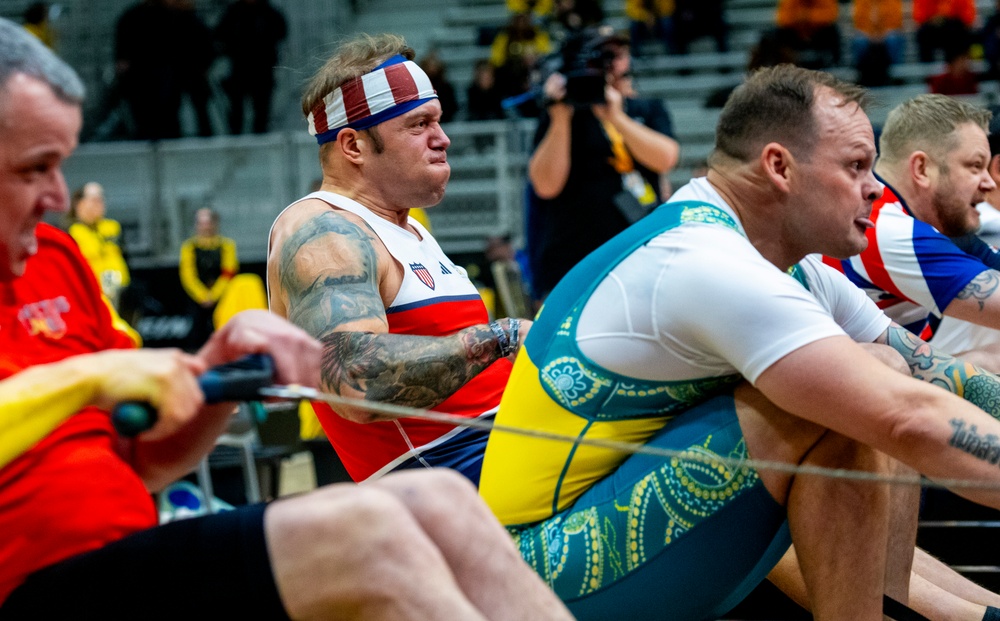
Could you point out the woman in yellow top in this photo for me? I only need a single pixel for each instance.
(208, 263)
(98, 238)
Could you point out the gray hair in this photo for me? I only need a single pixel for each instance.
(927, 123)
(21, 52)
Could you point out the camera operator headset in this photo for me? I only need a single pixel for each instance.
(599, 153)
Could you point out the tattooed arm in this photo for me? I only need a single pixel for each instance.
(837, 384)
(970, 382)
(979, 301)
(329, 281)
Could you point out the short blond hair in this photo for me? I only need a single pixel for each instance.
(353, 58)
(927, 123)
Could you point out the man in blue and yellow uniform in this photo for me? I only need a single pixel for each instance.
(705, 329)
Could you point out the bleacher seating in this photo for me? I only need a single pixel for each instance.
(153, 189)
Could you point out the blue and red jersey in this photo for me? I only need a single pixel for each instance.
(909, 269)
(436, 298)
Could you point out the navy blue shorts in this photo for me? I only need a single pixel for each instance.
(462, 453)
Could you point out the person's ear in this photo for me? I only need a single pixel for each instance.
(919, 165)
(776, 162)
(350, 142)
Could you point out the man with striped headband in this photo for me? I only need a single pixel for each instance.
(80, 535)
(399, 321)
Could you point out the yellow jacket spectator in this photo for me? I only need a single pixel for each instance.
(208, 263)
(538, 8)
(648, 11)
(98, 238)
(519, 40)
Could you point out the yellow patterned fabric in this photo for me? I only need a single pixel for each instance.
(519, 479)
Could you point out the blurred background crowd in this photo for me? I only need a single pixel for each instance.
(192, 109)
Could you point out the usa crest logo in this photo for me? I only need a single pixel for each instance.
(423, 274)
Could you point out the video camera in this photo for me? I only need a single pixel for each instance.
(585, 59)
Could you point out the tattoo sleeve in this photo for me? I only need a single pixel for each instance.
(973, 384)
(980, 288)
(415, 371)
(966, 437)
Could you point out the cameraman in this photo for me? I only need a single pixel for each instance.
(597, 160)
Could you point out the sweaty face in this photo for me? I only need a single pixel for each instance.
(835, 185)
(960, 182)
(412, 170)
(37, 132)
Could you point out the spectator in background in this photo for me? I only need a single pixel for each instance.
(596, 166)
(768, 52)
(483, 97)
(569, 16)
(810, 28)
(539, 10)
(958, 77)
(515, 52)
(250, 31)
(99, 239)
(651, 20)
(194, 58)
(208, 263)
(435, 69)
(694, 19)
(147, 44)
(942, 24)
(878, 39)
(36, 21)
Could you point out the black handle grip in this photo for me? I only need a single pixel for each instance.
(236, 381)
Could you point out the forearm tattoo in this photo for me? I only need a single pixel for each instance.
(415, 371)
(973, 384)
(966, 438)
(980, 288)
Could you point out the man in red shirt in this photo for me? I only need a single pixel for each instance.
(79, 529)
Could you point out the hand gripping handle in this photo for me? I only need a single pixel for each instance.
(236, 381)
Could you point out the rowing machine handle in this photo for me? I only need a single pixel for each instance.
(235, 381)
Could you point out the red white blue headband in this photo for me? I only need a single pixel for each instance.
(389, 90)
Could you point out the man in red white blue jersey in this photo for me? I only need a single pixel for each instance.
(399, 321)
(934, 158)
